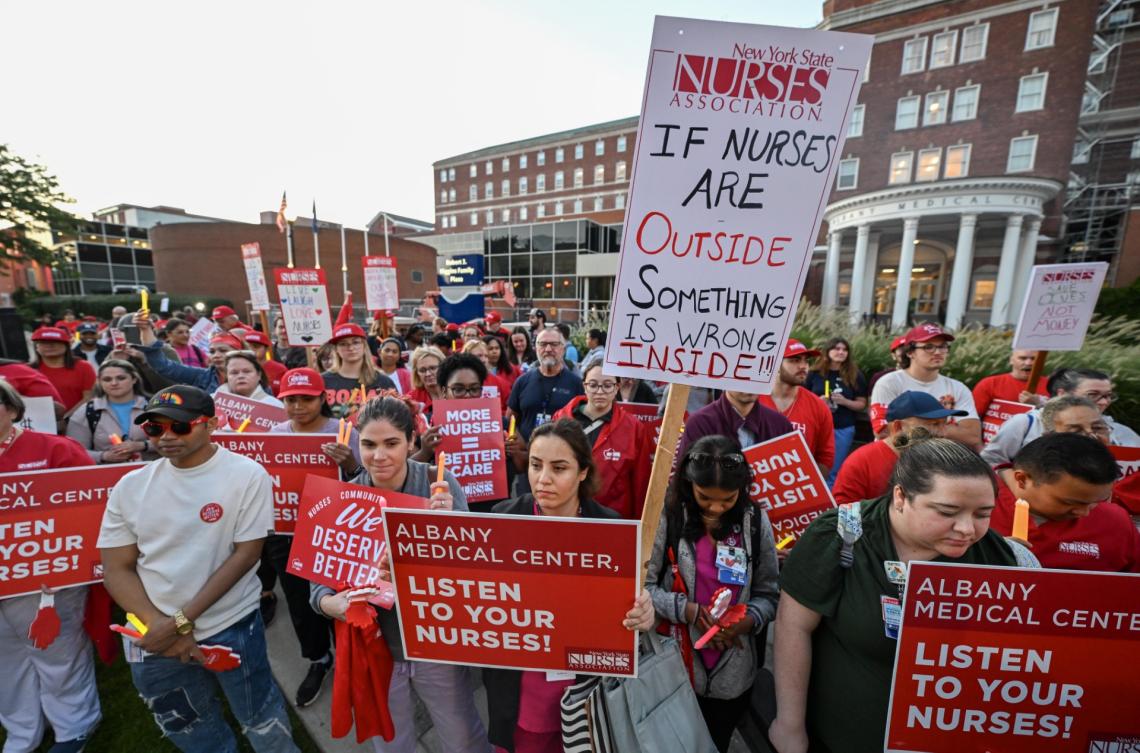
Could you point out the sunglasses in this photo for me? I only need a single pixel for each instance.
(730, 462)
(156, 429)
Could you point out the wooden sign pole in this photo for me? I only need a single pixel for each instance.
(265, 328)
(671, 424)
(1037, 370)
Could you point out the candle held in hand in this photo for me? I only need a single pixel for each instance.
(1021, 520)
(440, 468)
(511, 430)
(143, 296)
(243, 426)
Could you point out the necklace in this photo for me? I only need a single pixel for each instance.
(12, 434)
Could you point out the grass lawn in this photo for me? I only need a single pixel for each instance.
(128, 726)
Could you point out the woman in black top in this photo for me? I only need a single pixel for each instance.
(837, 379)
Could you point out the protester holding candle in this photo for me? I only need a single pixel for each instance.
(353, 378)
(386, 428)
(110, 416)
(716, 538)
(206, 379)
(838, 380)
(523, 706)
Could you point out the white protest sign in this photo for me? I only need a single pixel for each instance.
(39, 414)
(255, 276)
(1058, 306)
(380, 293)
(304, 306)
(201, 332)
(740, 137)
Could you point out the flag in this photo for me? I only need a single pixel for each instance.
(314, 216)
(281, 221)
(345, 315)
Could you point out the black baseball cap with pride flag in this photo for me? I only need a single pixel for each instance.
(180, 403)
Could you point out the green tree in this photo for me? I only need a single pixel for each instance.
(29, 201)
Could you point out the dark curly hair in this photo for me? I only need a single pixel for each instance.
(703, 466)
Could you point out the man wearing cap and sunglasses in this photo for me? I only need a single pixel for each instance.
(801, 406)
(181, 539)
(927, 347)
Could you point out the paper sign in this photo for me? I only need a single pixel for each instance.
(740, 136)
(49, 526)
(232, 409)
(787, 483)
(289, 459)
(339, 533)
(201, 333)
(1017, 661)
(471, 435)
(997, 414)
(520, 591)
(304, 306)
(380, 293)
(255, 276)
(1126, 491)
(39, 415)
(1058, 306)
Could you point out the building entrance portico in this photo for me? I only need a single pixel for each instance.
(939, 241)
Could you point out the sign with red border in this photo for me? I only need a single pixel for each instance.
(471, 436)
(787, 483)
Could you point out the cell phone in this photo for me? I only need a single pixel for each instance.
(132, 335)
(118, 339)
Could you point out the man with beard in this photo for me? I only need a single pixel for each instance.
(89, 346)
(809, 414)
(540, 393)
(1013, 387)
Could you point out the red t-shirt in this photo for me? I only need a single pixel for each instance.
(812, 418)
(35, 451)
(71, 383)
(29, 382)
(1001, 387)
(1104, 540)
(865, 474)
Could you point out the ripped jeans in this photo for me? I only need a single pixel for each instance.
(185, 703)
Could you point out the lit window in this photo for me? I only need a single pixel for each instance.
(474, 219)
(855, 127)
(522, 161)
(488, 190)
(443, 196)
(523, 214)
(451, 174)
(929, 163)
(848, 176)
(597, 203)
(489, 216)
(443, 176)
(506, 164)
(1022, 153)
(957, 161)
(1031, 92)
(1041, 30)
(577, 206)
(541, 211)
(559, 154)
(522, 186)
(474, 171)
(559, 181)
(900, 167)
(914, 55)
(488, 168)
(966, 102)
(982, 296)
(505, 215)
(906, 114)
(936, 105)
(942, 49)
(579, 174)
(599, 148)
(600, 174)
(451, 195)
(619, 201)
(540, 159)
(540, 182)
(621, 143)
(974, 40)
(558, 209)
(619, 172)
(579, 151)
(473, 192)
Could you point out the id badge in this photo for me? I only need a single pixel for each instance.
(540, 419)
(131, 651)
(556, 676)
(892, 616)
(731, 564)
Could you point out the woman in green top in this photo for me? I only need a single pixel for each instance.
(835, 650)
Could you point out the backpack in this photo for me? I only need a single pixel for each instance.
(93, 416)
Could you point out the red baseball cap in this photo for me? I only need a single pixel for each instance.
(494, 316)
(51, 335)
(229, 340)
(796, 348)
(898, 342)
(221, 312)
(928, 331)
(257, 338)
(301, 382)
(347, 330)
(453, 327)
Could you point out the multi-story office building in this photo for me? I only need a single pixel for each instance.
(102, 257)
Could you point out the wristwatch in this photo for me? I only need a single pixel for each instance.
(182, 623)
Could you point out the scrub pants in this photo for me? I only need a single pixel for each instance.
(447, 692)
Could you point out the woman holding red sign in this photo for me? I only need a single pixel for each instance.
(713, 570)
(386, 427)
(842, 586)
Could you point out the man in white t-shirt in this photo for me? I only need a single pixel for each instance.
(927, 347)
(181, 540)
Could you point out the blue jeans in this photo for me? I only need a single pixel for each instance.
(843, 440)
(185, 703)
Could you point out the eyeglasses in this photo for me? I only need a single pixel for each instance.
(730, 462)
(427, 370)
(928, 348)
(602, 387)
(547, 345)
(461, 391)
(178, 428)
(1096, 397)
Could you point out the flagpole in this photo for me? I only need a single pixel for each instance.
(316, 239)
(343, 263)
(289, 242)
(366, 242)
(386, 251)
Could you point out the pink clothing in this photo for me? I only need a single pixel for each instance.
(540, 701)
(191, 356)
(708, 583)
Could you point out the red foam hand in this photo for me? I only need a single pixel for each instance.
(733, 615)
(45, 627)
(359, 614)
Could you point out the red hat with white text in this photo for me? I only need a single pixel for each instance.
(221, 312)
(927, 331)
(51, 335)
(253, 337)
(345, 331)
(301, 382)
(796, 348)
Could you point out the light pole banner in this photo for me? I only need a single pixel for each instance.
(255, 276)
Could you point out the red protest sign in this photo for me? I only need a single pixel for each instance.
(471, 435)
(290, 459)
(997, 414)
(339, 534)
(49, 525)
(648, 413)
(521, 592)
(1018, 661)
(233, 409)
(787, 483)
(1126, 491)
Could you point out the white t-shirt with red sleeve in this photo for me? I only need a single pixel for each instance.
(897, 382)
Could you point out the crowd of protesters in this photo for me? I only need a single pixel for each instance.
(925, 487)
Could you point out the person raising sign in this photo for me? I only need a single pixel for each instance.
(207, 378)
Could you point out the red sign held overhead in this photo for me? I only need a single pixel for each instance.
(521, 592)
(1017, 661)
(49, 525)
(290, 459)
(787, 483)
(233, 409)
(997, 414)
(471, 435)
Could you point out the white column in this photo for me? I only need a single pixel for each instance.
(1026, 257)
(903, 273)
(871, 273)
(859, 273)
(963, 271)
(1003, 290)
(831, 269)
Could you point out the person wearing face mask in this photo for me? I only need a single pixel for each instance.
(523, 706)
(118, 400)
(836, 627)
(711, 537)
(207, 379)
(386, 428)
